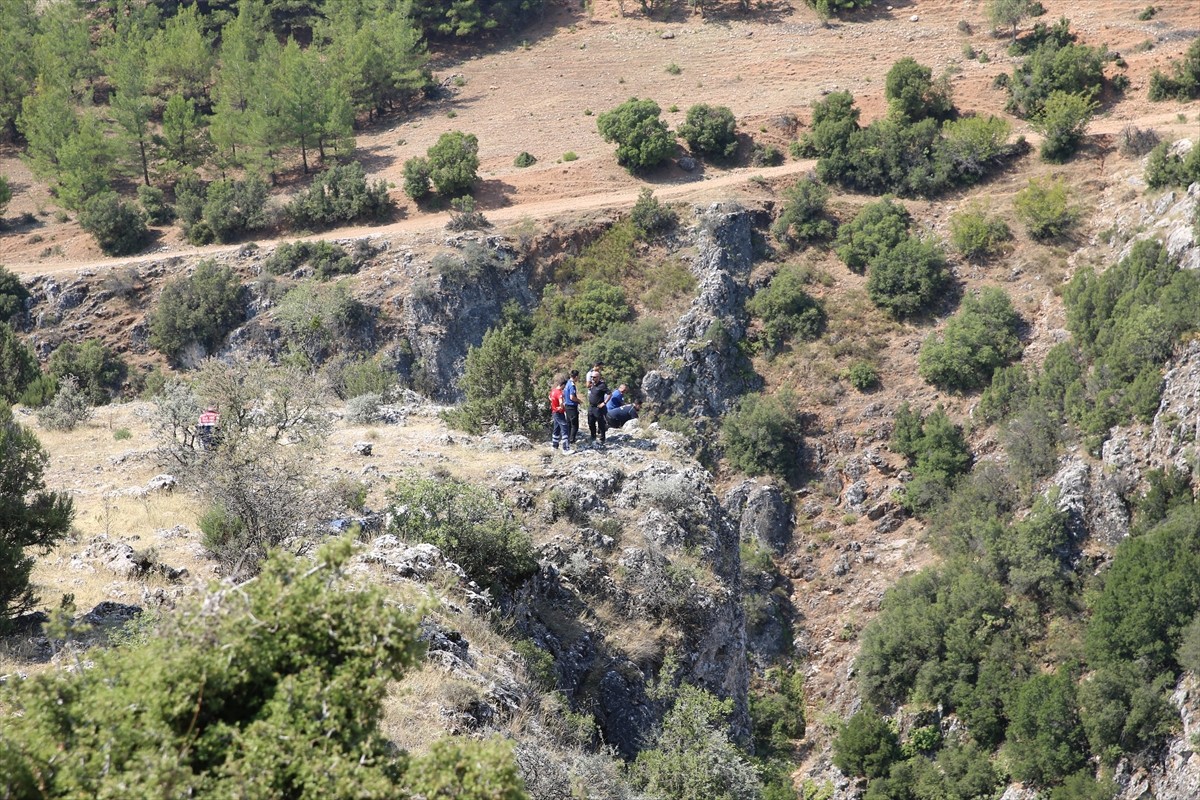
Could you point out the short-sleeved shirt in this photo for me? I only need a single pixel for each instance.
(556, 400)
(616, 400)
(597, 393)
(569, 394)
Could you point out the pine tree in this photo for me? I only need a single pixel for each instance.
(132, 105)
(17, 70)
(47, 120)
(184, 141)
(302, 99)
(85, 164)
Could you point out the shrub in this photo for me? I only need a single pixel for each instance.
(233, 209)
(524, 159)
(877, 228)
(1184, 82)
(318, 319)
(976, 235)
(777, 712)
(39, 392)
(627, 350)
(1045, 737)
(464, 216)
(907, 279)
(642, 138)
(453, 163)
(363, 409)
(98, 371)
(650, 217)
(118, 227)
(866, 745)
(1055, 65)
(912, 94)
(5, 195)
(339, 195)
(763, 435)
(155, 206)
(32, 518)
(863, 376)
(936, 451)
(970, 148)
(710, 131)
(1008, 392)
(1166, 167)
(471, 526)
(198, 310)
(979, 338)
(351, 378)
(190, 191)
(786, 309)
(18, 366)
(803, 216)
(570, 155)
(1133, 141)
(69, 407)
(13, 295)
(498, 384)
(416, 178)
(765, 155)
(1044, 206)
(1062, 120)
(327, 260)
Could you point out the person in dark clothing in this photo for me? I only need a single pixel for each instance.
(622, 414)
(597, 410)
(571, 402)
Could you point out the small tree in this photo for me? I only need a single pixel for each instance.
(650, 217)
(99, 370)
(119, 228)
(876, 229)
(69, 407)
(642, 138)
(907, 279)
(866, 745)
(234, 208)
(30, 517)
(786, 309)
(18, 365)
(1063, 119)
(199, 310)
(13, 295)
(341, 194)
(416, 178)
(913, 95)
(803, 216)
(710, 131)
(5, 195)
(979, 338)
(1009, 13)
(454, 163)
(976, 235)
(762, 435)
(499, 387)
(1044, 206)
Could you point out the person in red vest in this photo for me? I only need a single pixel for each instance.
(558, 415)
(207, 426)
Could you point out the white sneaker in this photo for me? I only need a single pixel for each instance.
(566, 451)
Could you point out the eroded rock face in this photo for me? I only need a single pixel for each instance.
(1092, 502)
(762, 514)
(699, 371)
(1176, 426)
(1177, 775)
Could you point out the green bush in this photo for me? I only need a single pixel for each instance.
(937, 454)
(454, 163)
(524, 159)
(1045, 737)
(99, 371)
(877, 228)
(318, 319)
(471, 526)
(786, 309)
(913, 95)
(338, 196)
(197, 310)
(866, 746)
(777, 711)
(233, 209)
(650, 217)
(763, 435)
(765, 155)
(979, 338)
(155, 206)
(326, 259)
(13, 295)
(498, 384)
(18, 366)
(39, 392)
(32, 518)
(827, 8)
(863, 376)
(5, 195)
(190, 192)
(1062, 120)
(597, 306)
(803, 216)
(710, 131)
(642, 138)
(417, 184)
(976, 235)
(119, 228)
(1184, 82)
(909, 278)
(1045, 208)
(68, 408)
(627, 350)
(1055, 64)
(1008, 392)
(1165, 167)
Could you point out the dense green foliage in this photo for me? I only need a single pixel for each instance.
(13, 295)
(212, 706)
(5, 196)
(98, 370)
(866, 745)
(979, 338)
(119, 228)
(786, 309)
(910, 152)
(318, 320)
(803, 216)
(909, 278)
(471, 526)
(827, 8)
(498, 384)
(913, 95)
(1061, 121)
(1044, 205)
(710, 131)
(1166, 167)
(763, 435)
(454, 163)
(30, 517)
(1183, 84)
(650, 217)
(198, 310)
(339, 195)
(327, 260)
(1054, 64)
(876, 229)
(642, 138)
(937, 453)
(18, 365)
(976, 235)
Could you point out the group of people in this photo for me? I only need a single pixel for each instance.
(605, 409)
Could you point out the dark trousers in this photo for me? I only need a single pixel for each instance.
(558, 431)
(597, 420)
(572, 423)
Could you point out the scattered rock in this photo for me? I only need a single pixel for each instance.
(363, 448)
(161, 483)
(687, 164)
(667, 35)
(108, 612)
(513, 474)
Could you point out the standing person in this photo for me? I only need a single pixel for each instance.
(206, 427)
(597, 410)
(593, 372)
(558, 416)
(571, 407)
